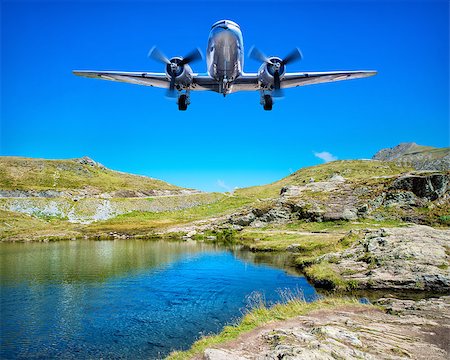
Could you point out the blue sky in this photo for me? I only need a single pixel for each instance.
(219, 142)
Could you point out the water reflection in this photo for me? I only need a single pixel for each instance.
(125, 299)
(73, 261)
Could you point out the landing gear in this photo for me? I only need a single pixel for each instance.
(183, 101)
(267, 102)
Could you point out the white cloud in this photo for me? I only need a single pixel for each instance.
(325, 156)
(224, 186)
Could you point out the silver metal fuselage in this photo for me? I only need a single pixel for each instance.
(225, 51)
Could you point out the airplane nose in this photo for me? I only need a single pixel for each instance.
(225, 36)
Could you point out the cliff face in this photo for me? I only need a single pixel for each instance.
(418, 156)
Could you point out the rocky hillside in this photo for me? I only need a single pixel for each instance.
(418, 156)
(84, 191)
(410, 197)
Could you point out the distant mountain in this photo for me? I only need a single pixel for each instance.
(50, 178)
(418, 156)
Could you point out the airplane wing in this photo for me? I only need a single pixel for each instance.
(248, 82)
(140, 78)
(160, 80)
(245, 82)
(307, 78)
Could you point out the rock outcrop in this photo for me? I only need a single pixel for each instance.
(86, 160)
(429, 187)
(338, 199)
(407, 258)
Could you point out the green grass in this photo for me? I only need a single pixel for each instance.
(38, 174)
(23, 227)
(444, 220)
(349, 169)
(259, 316)
(342, 225)
(279, 241)
(322, 274)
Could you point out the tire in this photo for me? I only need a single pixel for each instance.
(182, 102)
(268, 102)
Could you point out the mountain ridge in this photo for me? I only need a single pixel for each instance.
(418, 156)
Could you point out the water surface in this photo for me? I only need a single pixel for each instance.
(128, 299)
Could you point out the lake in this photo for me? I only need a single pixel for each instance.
(128, 299)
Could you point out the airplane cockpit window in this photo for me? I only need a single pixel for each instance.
(224, 23)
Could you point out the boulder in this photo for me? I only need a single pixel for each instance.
(402, 198)
(337, 178)
(308, 211)
(430, 187)
(242, 219)
(277, 214)
(340, 213)
(290, 190)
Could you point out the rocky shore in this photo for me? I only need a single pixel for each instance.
(394, 329)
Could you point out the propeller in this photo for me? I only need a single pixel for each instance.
(276, 65)
(174, 65)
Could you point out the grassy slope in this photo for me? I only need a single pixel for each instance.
(23, 227)
(352, 170)
(37, 174)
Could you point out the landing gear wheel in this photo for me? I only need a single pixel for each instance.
(267, 102)
(182, 102)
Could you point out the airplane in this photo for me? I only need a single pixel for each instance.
(225, 73)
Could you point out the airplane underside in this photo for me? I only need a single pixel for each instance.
(225, 61)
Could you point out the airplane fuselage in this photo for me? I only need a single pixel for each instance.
(225, 52)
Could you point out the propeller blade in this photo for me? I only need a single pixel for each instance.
(171, 90)
(157, 55)
(194, 55)
(257, 54)
(292, 56)
(277, 92)
(276, 80)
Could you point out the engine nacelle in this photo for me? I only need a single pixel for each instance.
(182, 72)
(267, 71)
